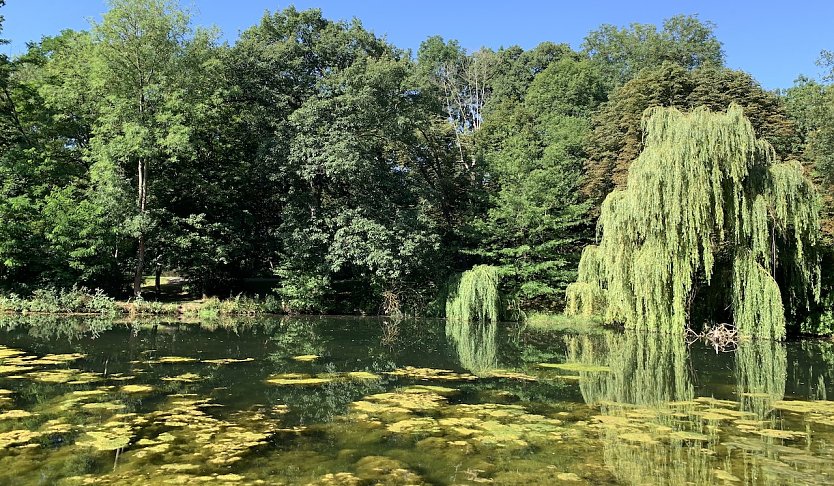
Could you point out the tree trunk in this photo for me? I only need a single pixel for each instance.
(140, 253)
(158, 280)
(140, 264)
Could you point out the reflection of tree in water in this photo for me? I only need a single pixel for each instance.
(644, 368)
(292, 337)
(760, 370)
(812, 369)
(475, 343)
(655, 431)
(646, 372)
(69, 328)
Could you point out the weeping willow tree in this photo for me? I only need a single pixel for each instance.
(704, 190)
(474, 295)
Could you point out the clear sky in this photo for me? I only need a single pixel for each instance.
(773, 40)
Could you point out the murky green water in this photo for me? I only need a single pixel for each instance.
(360, 401)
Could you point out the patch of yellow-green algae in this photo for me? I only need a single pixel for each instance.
(510, 375)
(110, 437)
(65, 376)
(55, 359)
(424, 412)
(15, 414)
(303, 379)
(173, 360)
(431, 374)
(183, 378)
(576, 367)
(226, 361)
(193, 445)
(362, 375)
(136, 389)
(298, 379)
(7, 352)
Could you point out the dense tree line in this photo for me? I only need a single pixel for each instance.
(362, 176)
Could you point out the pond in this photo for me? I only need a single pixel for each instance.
(351, 401)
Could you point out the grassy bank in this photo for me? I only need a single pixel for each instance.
(540, 321)
(240, 305)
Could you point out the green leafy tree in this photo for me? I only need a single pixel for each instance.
(138, 51)
(339, 140)
(811, 105)
(704, 195)
(617, 137)
(59, 232)
(623, 52)
(537, 220)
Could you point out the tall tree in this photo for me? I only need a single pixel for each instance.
(462, 82)
(617, 137)
(704, 195)
(537, 221)
(811, 105)
(59, 229)
(138, 48)
(683, 40)
(338, 137)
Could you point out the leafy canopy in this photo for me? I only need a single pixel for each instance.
(704, 189)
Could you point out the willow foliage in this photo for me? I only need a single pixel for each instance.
(475, 295)
(704, 188)
(475, 343)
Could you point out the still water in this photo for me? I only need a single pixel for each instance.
(349, 401)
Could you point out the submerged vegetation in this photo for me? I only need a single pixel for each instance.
(182, 405)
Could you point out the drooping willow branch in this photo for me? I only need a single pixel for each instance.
(474, 296)
(702, 185)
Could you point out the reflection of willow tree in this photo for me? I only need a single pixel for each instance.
(645, 368)
(761, 371)
(475, 343)
(812, 370)
(644, 395)
(674, 463)
(654, 431)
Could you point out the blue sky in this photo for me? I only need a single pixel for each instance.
(774, 41)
